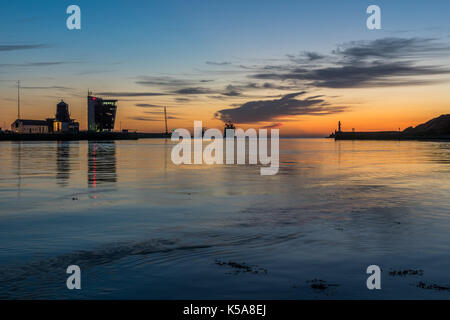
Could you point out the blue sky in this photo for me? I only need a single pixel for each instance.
(121, 41)
(159, 32)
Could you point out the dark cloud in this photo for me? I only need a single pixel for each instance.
(268, 85)
(213, 63)
(148, 105)
(176, 86)
(23, 47)
(378, 63)
(169, 116)
(151, 118)
(165, 81)
(273, 126)
(46, 64)
(143, 119)
(193, 90)
(154, 112)
(130, 94)
(232, 91)
(170, 84)
(228, 71)
(182, 99)
(313, 56)
(237, 90)
(270, 110)
(49, 87)
(390, 48)
(306, 57)
(35, 64)
(357, 76)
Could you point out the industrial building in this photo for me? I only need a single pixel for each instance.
(101, 118)
(30, 126)
(60, 124)
(101, 114)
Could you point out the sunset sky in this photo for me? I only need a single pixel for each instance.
(300, 66)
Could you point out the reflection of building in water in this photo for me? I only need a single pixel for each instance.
(101, 163)
(18, 147)
(63, 162)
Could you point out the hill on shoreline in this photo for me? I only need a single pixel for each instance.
(439, 126)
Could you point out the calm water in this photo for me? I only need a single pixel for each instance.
(141, 227)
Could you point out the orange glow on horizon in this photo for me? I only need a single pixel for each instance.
(377, 109)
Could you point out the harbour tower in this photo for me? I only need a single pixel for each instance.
(101, 114)
(62, 122)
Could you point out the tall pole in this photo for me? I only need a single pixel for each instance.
(18, 99)
(165, 119)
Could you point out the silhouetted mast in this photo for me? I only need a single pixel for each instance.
(18, 99)
(165, 119)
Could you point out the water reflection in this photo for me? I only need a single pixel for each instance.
(18, 157)
(101, 163)
(332, 205)
(63, 163)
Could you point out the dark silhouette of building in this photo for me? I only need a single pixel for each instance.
(30, 126)
(62, 112)
(62, 122)
(228, 126)
(101, 114)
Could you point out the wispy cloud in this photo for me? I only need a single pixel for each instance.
(193, 90)
(148, 105)
(151, 119)
(23, 47)
(306, 57)
(130, 94)
(45, 88)
(165, 81)
(232, 91)
(391, 48)
(377, 63)
(143, 118)
(215, 63)
(359, 76)
(36, 64)
(273, 126)
(170, 85)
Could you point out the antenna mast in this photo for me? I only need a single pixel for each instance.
(165, 119)
(18, 99)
